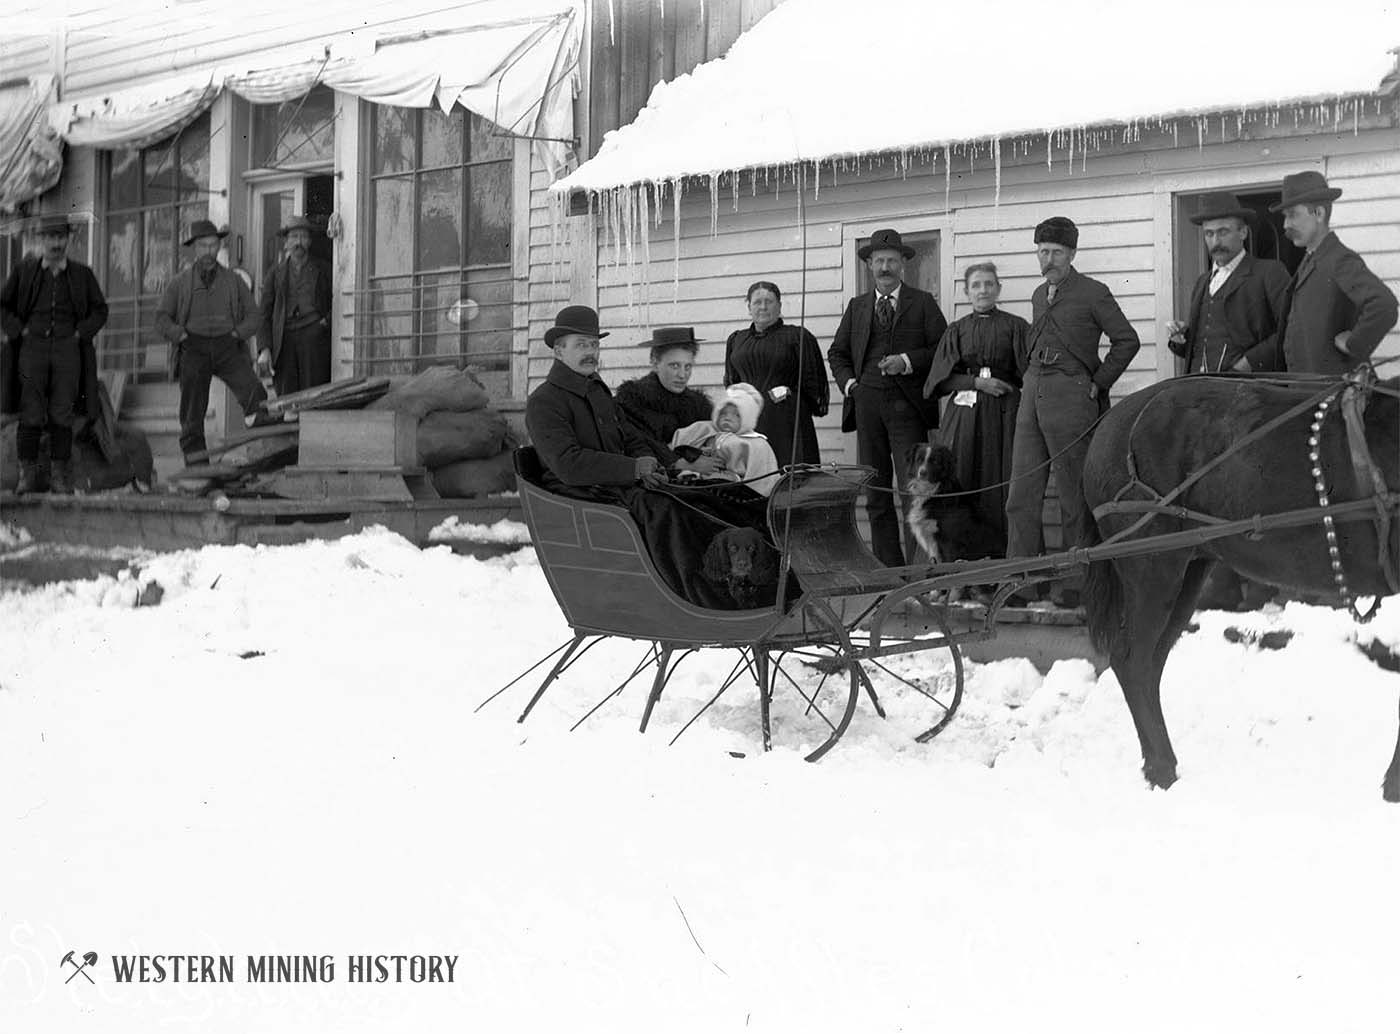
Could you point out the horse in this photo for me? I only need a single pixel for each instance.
(1244, 446)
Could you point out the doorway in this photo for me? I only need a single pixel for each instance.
(274, 202)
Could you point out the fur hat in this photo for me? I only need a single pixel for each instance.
(1058, 230)
(746, 399)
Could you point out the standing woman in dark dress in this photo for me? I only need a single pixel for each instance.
(980, 362)
(768, 354)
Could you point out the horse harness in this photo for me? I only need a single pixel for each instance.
(1351, 396)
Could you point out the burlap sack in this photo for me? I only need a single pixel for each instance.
(445, 437)
(436, 388)
(467, 478)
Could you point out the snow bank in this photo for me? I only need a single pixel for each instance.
(504, 531)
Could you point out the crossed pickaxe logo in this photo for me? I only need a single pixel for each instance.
(89, 959)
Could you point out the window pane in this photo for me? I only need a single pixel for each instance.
(393, 139)
(488, 225)
(442, 138)
(158, 167)
(124, 179)
(158, 259)
(388, 330)
(123, 248)
(489, 328)
(193, 145)
(438, 305)
(488, 140)
(440, 220)
(302, 129)
(393, 222)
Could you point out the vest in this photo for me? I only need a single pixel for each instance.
(875, 350)
(54, 315)
(1212, 336)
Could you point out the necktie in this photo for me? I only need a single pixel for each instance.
(1304, 267)
(1050, 292)
(884, 312)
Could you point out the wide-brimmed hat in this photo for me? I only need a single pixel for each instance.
(296, 222)
(673, 337)
(53, 224)
(204, 228)
(885, 240)
(1220, 205)
(574, 319)
(1305, 188)
(1058, 229)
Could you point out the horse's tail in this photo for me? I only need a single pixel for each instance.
(1103, 598)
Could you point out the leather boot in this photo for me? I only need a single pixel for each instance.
(28, 478)
(61, 477)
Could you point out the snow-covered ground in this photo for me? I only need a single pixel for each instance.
(284, 757)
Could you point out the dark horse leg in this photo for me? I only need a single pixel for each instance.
(1158, 598)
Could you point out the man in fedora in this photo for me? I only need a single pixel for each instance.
(880, 357)
(207, 313)
(51, 309)
(1336, 311)
(575, 425)
(295, 340)
(1064, 391)
(1236, 305)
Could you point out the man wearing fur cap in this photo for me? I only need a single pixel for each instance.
(1065, 389)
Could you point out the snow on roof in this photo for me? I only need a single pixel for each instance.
(817, 79)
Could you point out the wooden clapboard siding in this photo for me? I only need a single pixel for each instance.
(27, 55)
(636, 44)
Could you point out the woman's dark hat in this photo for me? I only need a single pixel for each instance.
(574, 319)
(1058, 230)
(53, 224)
(673, 337)
(885, 240)
(204, 228)
(1305, 188)
(1221, 206)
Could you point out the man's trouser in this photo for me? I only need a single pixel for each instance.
(887, 427)
(50, 374)
(305, 359)
(203, 358)
(1054, 418)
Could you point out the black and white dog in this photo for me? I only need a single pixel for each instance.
(943, 519)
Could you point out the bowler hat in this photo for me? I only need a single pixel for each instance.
(53, 224)
(673, 337)
(204, 228)
(1058, 230)
(1221, 206)
(885, 240)
(296, 222)
(574, 319)
(1305, 188)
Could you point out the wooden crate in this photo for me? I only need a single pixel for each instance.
(348, 438)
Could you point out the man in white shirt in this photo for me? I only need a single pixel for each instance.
(1235, 306)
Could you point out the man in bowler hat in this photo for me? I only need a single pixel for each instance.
(294, 342)
(1236, 305)
(1064, 391)
(880, 358)
(51, 309)
(1336, 311)
(207, 313)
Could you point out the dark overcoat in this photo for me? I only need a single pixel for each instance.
(17, 300)
(1253, 300)
(578, 432)
(918, 327)
(1082, 312)
(277, 288)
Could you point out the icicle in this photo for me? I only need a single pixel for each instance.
(714, 204)
(1049, 151)
(675, 240)
(817, 179)
(612, 24)
(644, 225)
(1200, 133)
(996, 176)
(734, 187)
(629, 224)
(1355, 117)
(947, 175)
(1071, 151)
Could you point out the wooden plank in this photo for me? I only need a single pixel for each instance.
(721, 27)
(634, 59)
(690, 34)
(752, 11)
(663, 45)
(605, 70)
(358, 437)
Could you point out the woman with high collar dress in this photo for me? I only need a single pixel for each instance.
(979, 362)
(785, 364)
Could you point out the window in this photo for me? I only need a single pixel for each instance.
(921, 271)
(294, 133)
(439, 238)
(153, 196)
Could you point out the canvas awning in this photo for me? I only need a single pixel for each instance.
(513, 63)
(822, 79)
(31, 155)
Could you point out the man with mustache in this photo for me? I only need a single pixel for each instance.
(295, 340)
(1235, 306)
(50, 308)
(208, 314)
(1336, 311)
(880, 357)
(1064, 391)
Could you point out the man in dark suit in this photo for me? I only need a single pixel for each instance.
(51, 309)
(1064, 391)
(294, 342)
(1236, 305)
(1336, 310)
(880, 357)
